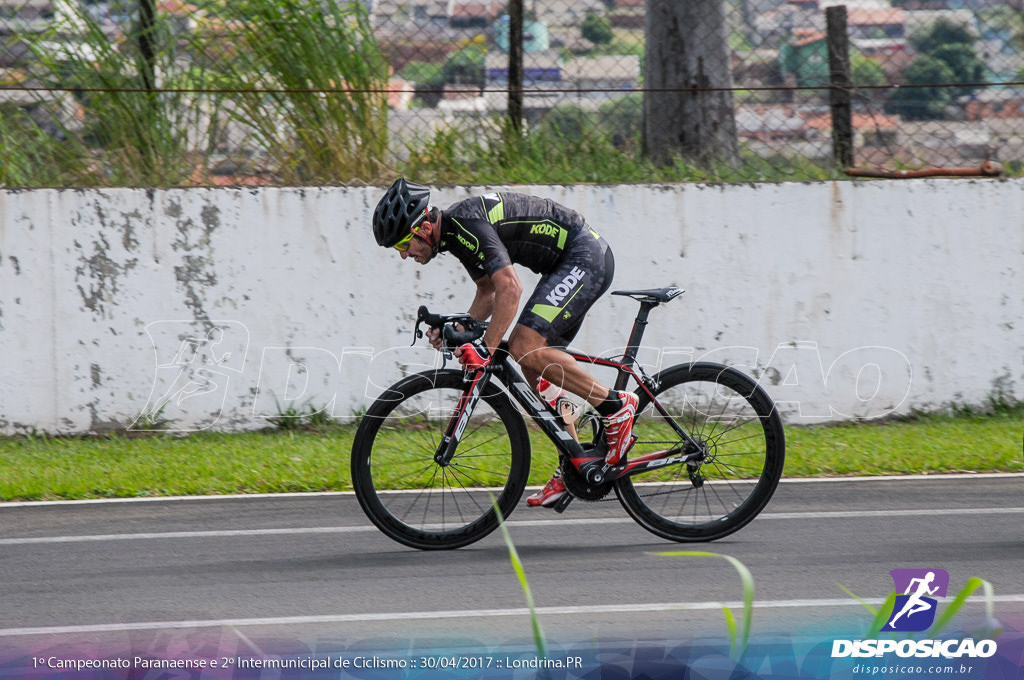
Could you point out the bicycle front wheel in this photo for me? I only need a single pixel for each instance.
(735, 425)
(418, 502)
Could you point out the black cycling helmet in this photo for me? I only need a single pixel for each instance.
(402, 207)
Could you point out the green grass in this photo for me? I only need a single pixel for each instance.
(203, 463)
(317, 459)
(577, 149)
(158, 120)
(929, 444)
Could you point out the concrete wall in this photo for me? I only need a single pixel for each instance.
(220, 308)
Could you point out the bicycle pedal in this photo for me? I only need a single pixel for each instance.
(562, 503)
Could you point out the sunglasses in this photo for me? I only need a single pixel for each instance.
(403, 245)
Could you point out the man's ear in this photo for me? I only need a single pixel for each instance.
(434, 231)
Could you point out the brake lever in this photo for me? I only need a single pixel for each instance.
(417, 334)
(422, 315)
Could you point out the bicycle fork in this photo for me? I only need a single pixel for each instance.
(460, 418)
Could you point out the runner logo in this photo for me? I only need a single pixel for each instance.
(914, 610)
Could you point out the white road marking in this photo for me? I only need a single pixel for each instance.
(603, 521)
(482, 613)
(312, 494)
(457, 614)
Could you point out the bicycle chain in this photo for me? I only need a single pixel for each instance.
(578, 486)
(590, 495)
(581, 490)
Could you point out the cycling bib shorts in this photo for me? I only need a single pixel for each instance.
(562, 297)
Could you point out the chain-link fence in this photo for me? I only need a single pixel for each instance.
(298, 91)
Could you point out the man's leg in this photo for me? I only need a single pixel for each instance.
(530, 349)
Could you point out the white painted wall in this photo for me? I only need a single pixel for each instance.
(850, 299)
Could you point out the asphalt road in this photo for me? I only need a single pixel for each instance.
(312, 567)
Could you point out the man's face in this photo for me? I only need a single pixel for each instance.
(420, 248)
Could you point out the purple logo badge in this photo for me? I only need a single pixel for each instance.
(914, 610)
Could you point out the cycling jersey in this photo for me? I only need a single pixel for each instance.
(490, 232)
(495, 230)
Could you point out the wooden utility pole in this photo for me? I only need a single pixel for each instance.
(688, 101)
(840, 84)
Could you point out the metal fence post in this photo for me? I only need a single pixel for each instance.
(515, 63)
(839, 85)
(147, 48)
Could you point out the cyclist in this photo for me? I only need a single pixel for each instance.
(490, 233)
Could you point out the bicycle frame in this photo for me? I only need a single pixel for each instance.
(688, 463)
(552, 425)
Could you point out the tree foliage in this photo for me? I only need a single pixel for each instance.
(865, 72)
(918, 102)
(1003, 24)
(968, 70)
(466, 66)
(941, 32)
(947, 59)
(597, 29)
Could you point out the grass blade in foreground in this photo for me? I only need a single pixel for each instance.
(737, 639)
(881, 615)
(958, 602)
(517, 565)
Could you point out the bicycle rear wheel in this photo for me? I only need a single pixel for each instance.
(411, 498)
(735, 423)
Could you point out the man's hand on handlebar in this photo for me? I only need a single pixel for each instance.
(435, 339)
(458, 334)
(473, 355)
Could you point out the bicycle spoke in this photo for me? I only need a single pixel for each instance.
(738, 445)
(416, 500)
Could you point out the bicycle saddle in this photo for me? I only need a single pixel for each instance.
(655, 295)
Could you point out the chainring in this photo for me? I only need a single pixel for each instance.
(577, 484)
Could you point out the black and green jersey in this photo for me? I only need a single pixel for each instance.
(487, 233)
(490, 232)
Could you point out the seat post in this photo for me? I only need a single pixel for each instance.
(635, 336)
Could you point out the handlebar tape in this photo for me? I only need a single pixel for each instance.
(453, 338)
(457, 338)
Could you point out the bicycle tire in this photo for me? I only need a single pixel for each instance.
(731, 416)
(411, 498)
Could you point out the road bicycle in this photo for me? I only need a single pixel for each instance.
(442, 456)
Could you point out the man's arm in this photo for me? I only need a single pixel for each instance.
(483, 302)
(497, 297)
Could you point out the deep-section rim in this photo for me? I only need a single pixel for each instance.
(362, 469)
(761, 491)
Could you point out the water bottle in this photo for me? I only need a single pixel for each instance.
(550, 392)
(558, 399)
